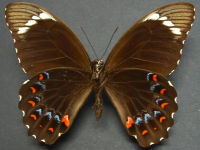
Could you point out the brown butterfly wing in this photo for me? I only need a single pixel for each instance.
(51, 100)
(136, 70)
(49, 51)
(146, 99)
(43, 41)
(155, 42)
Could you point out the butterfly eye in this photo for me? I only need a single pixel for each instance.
(101, 62)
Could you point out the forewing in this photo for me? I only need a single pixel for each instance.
(51, 100)
(42, 41)
(145, 102)
(155, 42)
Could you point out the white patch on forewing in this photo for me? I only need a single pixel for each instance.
(181, 51)
(172, 115)
(5, 16)
(187, 32)
(161, 138)
(163, 18)
(46, 15)
(34, 136)
(170, 83)
(36, 18)
(7, 24)
(175, 99)
(43, 140)
(23, 70)
(14, 40)
(23, 113)
(26, 81)
(183, 41)
(168, 23)
(27, 126)
(10, 31)
(31, 22)
(168, 128)
(191, 24)
(19, 60)
(20, 97)
(16, 50)
(23, 30)
(178, 62)
(153, 17)
(175, 30)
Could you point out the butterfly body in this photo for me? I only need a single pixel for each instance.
(134, 74)
(98, 81)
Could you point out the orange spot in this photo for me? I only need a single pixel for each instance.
(155, 77)
(41, 77)
(164, 104)
(144, 132)
(66, 120)
(32, 103)
(33, 89)
(34, 117)
(162, 91)
(40, 126)
(155, 128)
(50, 129)
(129, 122)
(162, 118)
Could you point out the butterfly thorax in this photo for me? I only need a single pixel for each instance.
(97, 67)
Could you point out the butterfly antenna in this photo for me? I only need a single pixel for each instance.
(109, 42)
(88, 41)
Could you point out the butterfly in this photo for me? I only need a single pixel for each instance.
(134, 74)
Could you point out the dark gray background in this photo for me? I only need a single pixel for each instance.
(99, 19)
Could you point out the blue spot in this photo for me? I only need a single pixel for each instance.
(138, 121)
(147, 117)
(48, 114)
(152, 88)
(47, 74)
(157, 113)
(43, 86)
(37, 98)
(57, 118)
(158, 100)
(39, 111)
(148, 76)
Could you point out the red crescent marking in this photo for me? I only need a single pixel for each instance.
(162, 118)
(66, 120)
(162, 91)
(164, 104)
(155, 77)
(41, 77)
(32, 103)
(144, 132)
(50, 129)
(33, 89)
(129, 122)
(34, 117)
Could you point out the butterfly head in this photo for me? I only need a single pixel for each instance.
(97, 63)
